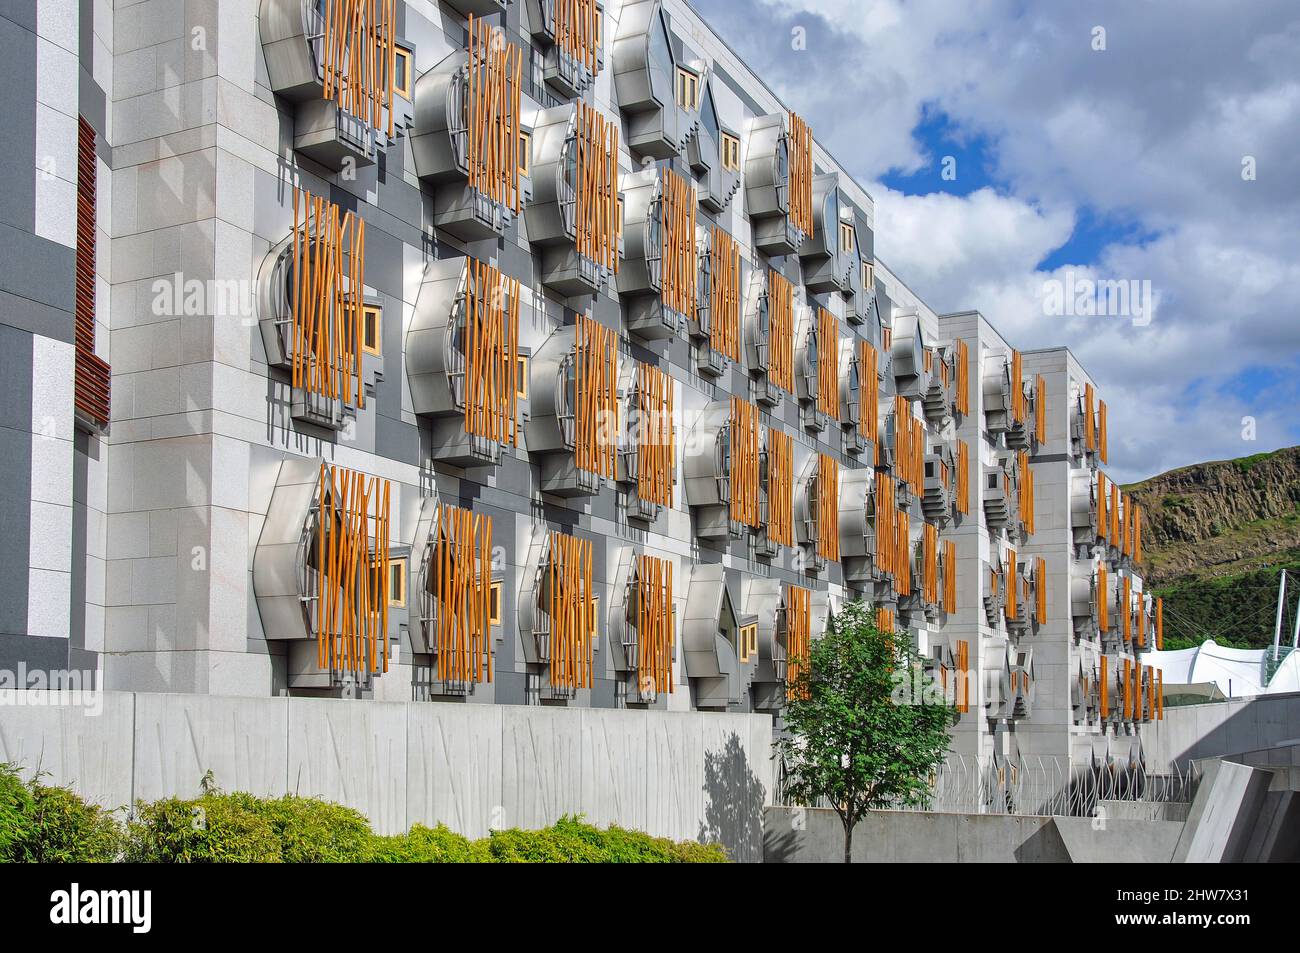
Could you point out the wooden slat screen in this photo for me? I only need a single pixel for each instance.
(328, 275)
(801, 176)
(571, 611)
(963, 478)
(1040, 590)
(798, 630)
(655, 636)
(1026, 480)
(902, 438)
(724, 294)
(491, 353)
(577, 30)
(1103, 450)
(1013, 586)
(1126, 609)
(828, 364)
(1114, 515)
(744, 462)
(492, 114)
(780, 487)
(887, 557)
(91, 375)
(1160, 624)
(350, 611)
(1089, 422)
(357, 54)
(596, 220)
(463, 563)
(780, 338)
(903, 578)
(1018, 409)
(1137, 533)
(917, 468)
(1125, 525)
(596, 416)
(1040, 408)
(1160, 694)
(828, 507)
(1103, 601)
(1103, 519)
(1140, 627)
(949, 577)
(963, 378)
(930, 564)
(656, 445)
(869, 394)
(677, 232)
(963, 676)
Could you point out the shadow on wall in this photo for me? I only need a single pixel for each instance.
(733, 807)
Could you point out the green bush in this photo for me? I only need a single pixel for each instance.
(312, 831)
(66, 829)
(424, 845)
(571, 841)
(215, 828)
(15, 813)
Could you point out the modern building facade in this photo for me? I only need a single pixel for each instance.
(529, 353)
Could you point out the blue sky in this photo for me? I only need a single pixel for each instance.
(1107, 138)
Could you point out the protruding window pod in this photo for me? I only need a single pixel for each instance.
(647, 71)
(660, 273)
(572, 33)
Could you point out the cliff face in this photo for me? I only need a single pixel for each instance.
(1216, 536)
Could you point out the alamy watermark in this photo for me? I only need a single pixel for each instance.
(1080, 296)
(25, 687)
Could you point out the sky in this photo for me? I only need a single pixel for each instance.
(1140, 141)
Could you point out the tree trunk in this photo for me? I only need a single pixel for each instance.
(848, 842)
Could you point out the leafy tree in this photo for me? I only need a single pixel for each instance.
(860, 736)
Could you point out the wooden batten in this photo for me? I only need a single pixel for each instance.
(780, 487)
(656, 443)
(868, 374)
(798, 632)
(949, 577)
(744, 462)
(491, 353)
(576, 29)
(780, 339)
(494, 84)
(724, 294)
(571, 610)
(679, 265)
(462, 564)
(828, 507)
(801, 175)
(357, 53)
(655, 635)
(596, 414)
(828, 364)
(962, 384)
(596, 212)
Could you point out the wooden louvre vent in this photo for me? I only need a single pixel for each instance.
(596, 414)
(677, 231)
(357, 52)
(596, 220)
(801, 175)
(656, 447)
(724, 294)
(328, 278)
(963, 477)
(798, 631)
(930, 564)
(949, 577)
(492, 112)
(744, 462)
(91, 375)
(869, 394)
(654, 622)
(828, 507)
(828, 364)
(571, 609)
(491, 353)
(462, 564)
(963, 378)
(780, 340)
(780, 487)
(1018, 408)
(349, 609)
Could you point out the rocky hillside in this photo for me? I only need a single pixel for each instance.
(1216, 537)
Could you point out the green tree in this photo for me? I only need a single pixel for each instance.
(860, 735)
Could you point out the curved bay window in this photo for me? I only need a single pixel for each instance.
(819, 523)
(780, 332)
(456, 594)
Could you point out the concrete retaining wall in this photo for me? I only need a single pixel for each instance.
(1216, 729)
(673, 774)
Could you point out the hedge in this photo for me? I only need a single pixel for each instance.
(39, 823)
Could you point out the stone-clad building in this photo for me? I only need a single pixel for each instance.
(522, 352)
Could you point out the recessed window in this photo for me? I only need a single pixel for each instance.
(397, 582)
(525, 151)
(730, 152)
(371, 321)
(618, 214)
(595, 614)
(521, 389)
(748, 641)
(688, 89)
(402, 72)
(868, 275)
(494, 603)
(846, 237)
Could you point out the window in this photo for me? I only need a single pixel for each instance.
(595, 615)
(730, 152)
(619, 215)
(868, 275)
(402, 72)
(525, 151)
(494, 603)
(372, 319)
(397, 582)
(688, 89)
(846, 237)
(521, 389)
(748, 641)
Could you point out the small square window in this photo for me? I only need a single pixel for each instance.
(868, 275)
(372, 321)
(397, 582)
(846, 237)
(688, 89)
(494, 603)
(521, 386)
(525, 153)
(402, 72)
(730, 152)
